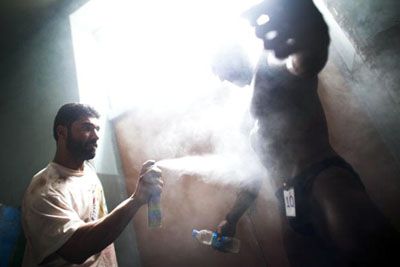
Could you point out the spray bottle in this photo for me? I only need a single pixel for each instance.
(154, 216)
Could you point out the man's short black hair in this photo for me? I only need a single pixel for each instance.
(71, 112)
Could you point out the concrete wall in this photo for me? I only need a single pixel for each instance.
(35, 80)
(366, 36)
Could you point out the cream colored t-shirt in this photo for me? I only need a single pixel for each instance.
(57, 202)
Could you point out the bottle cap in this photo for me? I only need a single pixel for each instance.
(194, 232)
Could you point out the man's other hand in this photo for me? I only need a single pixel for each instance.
(226, 229)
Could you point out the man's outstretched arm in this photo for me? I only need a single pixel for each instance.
(93, 237)
(245, 197)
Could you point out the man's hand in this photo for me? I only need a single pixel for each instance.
(292, 28)
(226, 228)
(149, 182)
(93, 237)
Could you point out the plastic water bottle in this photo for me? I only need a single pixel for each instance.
(222, 243)
(203, 236)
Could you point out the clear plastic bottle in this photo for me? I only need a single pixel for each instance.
(203, 236)
(223, 243)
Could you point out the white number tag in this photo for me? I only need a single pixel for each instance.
(290, 204)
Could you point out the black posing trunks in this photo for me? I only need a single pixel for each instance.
(302, 185)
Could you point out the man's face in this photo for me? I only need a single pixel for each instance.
(82, 138)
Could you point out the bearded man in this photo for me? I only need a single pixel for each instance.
(64, 213)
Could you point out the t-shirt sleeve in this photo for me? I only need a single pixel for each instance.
(49, 222)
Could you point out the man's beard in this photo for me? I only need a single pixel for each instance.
(80, 149)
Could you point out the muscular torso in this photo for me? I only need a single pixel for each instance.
(292, 131)
(292, 135)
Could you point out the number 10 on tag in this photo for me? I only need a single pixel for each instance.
(290, 204)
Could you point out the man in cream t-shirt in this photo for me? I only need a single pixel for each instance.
(64, 213)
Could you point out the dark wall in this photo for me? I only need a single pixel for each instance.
(363, 20)
(373, 29)
(35, 80)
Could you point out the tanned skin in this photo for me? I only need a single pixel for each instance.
(292, 135)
